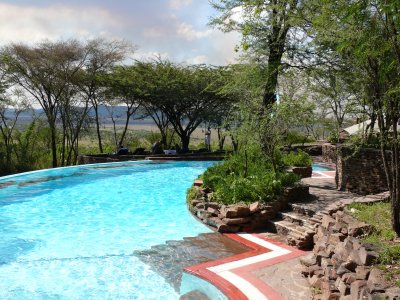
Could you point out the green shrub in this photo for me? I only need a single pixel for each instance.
(246, 177)
(297, 159)
(295, 137)
(193, 193)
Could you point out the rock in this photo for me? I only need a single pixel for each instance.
(213, 211)
(212, 221)
(356, 287)
(195, 202)
(376, 281)
(342, 270)
(224, 228)
(255, 207)
(358, 228)
(349, 265)
(213, 205)
(326, 262)
(327, 222)
(310, 271)
(362, 272)
(329, 291)
(308, 260)
(202, 214)
(235, 221)
(349, 278)
(355, 258)
(393, 293)
(198, 182)
(315, 282)
(367, 257)
(336, 238)
(200, 205)
(235, 211)
(343, 288)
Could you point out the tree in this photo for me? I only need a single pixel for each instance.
(365, 34)
(265, 27)
(45, 72)
(184, 95)
(123, 88)
(102, 57)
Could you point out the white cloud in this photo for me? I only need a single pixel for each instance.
(199, 59)
(32, 24)
(177, 4)
(186, 31)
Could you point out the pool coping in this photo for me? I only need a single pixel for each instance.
(233, 275)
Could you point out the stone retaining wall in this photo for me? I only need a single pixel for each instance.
(358, 172)
(362, 172)
(241, 217)
(340, 266)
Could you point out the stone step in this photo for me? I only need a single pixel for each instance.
(297, 219)
(295, 235)
(301, 209)
(169, 259)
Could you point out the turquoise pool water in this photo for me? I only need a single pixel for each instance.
(70, 233)
(322, 168)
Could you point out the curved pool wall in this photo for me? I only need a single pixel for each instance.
(70, 233)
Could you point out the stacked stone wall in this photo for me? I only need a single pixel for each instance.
(341, 266)
(241, 217)
(361, 172)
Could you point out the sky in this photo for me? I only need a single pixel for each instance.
(173, 29)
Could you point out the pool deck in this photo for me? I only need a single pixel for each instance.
(271, 269)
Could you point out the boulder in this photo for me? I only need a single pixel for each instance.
(212, 205)
(356, 288)
(255, 207)
(224, 228)
(213, 211)
(376, 281)
(308, 260)
(195, 202)
(236, 221)
(235, 211)
(362, 272)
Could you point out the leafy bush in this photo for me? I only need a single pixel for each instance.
(193, 193)
(295, 137)
(297, 159)
(246, 177)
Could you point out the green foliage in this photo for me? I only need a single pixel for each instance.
(246, 177)
(297, 159)
(295, 137)
(193, 193)
(378, 215)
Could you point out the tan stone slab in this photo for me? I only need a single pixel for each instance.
(286, 279)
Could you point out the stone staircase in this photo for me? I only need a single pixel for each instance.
(297, 225)
(169, 259)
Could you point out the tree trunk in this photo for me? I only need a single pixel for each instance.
(221, 139)
(185, 139)
(96, 111)
(53, 144)
(274, 62)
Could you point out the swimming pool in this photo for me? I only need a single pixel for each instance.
(71, 233)
(319, 167)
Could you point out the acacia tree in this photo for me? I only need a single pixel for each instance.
(353, 30)
(265, 27)
(151, 77)
(122, 87)
(45, 72)
(102, 57)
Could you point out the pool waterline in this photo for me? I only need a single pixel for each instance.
(72, 237)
